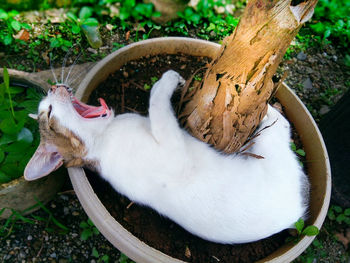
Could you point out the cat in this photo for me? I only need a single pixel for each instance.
(222, 198)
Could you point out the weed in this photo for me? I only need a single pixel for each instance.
(300, 152)
(86, 24)
(124, 259)
(313, 253)
(117, 46)
(305, 231)
(12, 221)
(100, 258)
(19, 136)
(89, 229)
(12, 26)
(339, 215)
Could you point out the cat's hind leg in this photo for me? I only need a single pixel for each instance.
(164, 125)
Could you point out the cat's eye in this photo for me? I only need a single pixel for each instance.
(49, 111)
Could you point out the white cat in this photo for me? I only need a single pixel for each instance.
(151, 160)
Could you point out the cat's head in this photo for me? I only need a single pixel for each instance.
(67, 130)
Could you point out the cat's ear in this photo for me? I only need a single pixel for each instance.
(45, 160)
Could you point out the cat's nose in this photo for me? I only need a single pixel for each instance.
(53, 88)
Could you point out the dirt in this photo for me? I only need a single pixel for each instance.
(124, 91)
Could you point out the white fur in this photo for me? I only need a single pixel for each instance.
(222, 198)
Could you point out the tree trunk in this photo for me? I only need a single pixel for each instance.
(232, 99)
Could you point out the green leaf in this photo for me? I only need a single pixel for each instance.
(75, 29)
(16, 90)
(311, 231)
(72, 17)
(8, 39)
(54, 43)
(91, 22)
(124, 14)
(147, 87)
(17, 147)
(90, 222)
(13, 13)
(299, 225)
(2, 155)
(326, 34)
(30, 106)
(347, 220)
(85, 12)
(83, 224)
(95, 252)
(7, 138)
(87, 232)
(293, 146)
(25, 136)
(11, 170)
(337, 209)
(26, 26)
(16, 25)
(300, 152)
(347, 212)
(331, 215)
(96, 231)
(8, 126)
(105, 258)
(3, 14)
(4, 178)
(340, 218)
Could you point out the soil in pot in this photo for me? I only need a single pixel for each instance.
(127, 90)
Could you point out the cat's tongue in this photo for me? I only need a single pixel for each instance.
(89, 112)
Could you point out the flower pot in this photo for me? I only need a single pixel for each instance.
(318, 164)
(20, 194)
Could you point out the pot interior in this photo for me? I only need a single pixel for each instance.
(317, 160)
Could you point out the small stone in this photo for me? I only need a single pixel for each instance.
(187, 252)
(29, 237)
(75, 213)
(22, 254)
(334, 58)
(212, 33)
(125, 74)
(324, 109)
(53, 205)
(309, 70)
(91, 50)
(53, 255)
(65, 210)
(325, 54)
(301, 56)
(307, 84)
(64, 197)
(109, 27)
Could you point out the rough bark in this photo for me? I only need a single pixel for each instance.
(232, 99)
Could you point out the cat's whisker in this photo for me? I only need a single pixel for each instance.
(52, 71)
(64, 64)
(69, 83)
(72, 67)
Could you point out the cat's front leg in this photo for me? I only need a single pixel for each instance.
(164, 125)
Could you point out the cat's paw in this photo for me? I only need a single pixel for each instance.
(173, 76)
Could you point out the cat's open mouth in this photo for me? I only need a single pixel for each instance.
(89, 112)
(84, 110)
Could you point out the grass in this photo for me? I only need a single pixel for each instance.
(16, 217)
